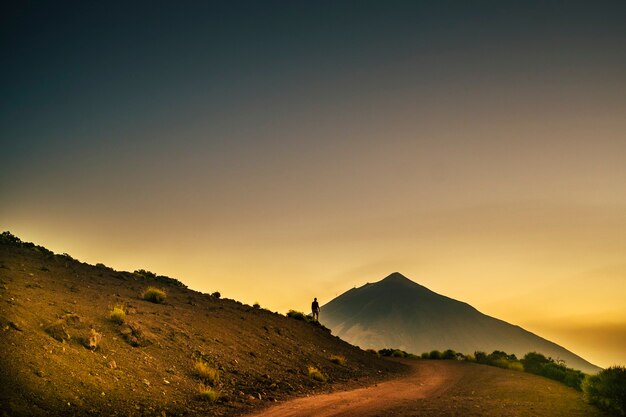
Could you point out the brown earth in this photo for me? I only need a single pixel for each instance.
(54, 310)
(445, 388)
(61, 354)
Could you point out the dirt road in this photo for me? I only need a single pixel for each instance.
(445, 388)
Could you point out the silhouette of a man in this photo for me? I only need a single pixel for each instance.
(315, 309)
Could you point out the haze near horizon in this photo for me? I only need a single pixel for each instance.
(276, 152)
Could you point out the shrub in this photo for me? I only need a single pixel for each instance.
(145, 274)
(256, 305)
(338, 359)
(207, 373)
(298, 315)
(208, 394)
(216, 294)
(154, 295)
(534, 362)
(607, 389)
(117, 315)
(316, 374)
(372, 351)
(448, 354)
(480, 357)
(425, 355)
(435, 354)
(516, 366)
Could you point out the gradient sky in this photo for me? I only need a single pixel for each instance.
(277, 151)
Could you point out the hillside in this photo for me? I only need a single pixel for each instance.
(397, 312)
(52, 307)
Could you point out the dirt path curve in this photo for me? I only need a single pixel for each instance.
(445, 388)
(427, 379)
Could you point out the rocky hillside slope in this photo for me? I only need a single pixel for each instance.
(62, 354)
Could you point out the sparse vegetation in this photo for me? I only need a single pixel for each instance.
(118, 314)
(298, 315)
(316, 374)
(338, 359)
(538, 364)
(397, 353)
(607, 389)
(435, 354)
(372, 351)
(208, 394)
(154, 295)
(206, 372)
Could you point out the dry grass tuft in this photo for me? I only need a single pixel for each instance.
(316, 374)
(338, 359)
(154, 295)
(207, 373)
(118, 315)
(208, 394)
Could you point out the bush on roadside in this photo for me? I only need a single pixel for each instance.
(435, 354)
(607, 389)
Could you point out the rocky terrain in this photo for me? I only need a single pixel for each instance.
(64, 353)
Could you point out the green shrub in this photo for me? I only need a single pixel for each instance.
(538, 364)
(516, 366)
(298, 315)
(206, 373)
(154, 295)
(316, 374)
(118, 315)
(397, 353)
(607, 389)
(208, 394)
(338, 359)
(534, 362)
(448, 354)
(435, 354)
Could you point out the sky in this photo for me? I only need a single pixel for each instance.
(280, 151)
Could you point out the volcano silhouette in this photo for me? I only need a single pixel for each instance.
(399, 313)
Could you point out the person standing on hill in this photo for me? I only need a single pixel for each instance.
(315, 309)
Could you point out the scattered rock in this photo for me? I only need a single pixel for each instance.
(15, 326)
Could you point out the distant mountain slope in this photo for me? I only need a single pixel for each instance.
(397, 312)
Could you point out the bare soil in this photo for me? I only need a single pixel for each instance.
(61, 354)
(445, 388)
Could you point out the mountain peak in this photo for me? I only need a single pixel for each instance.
(396, 277)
